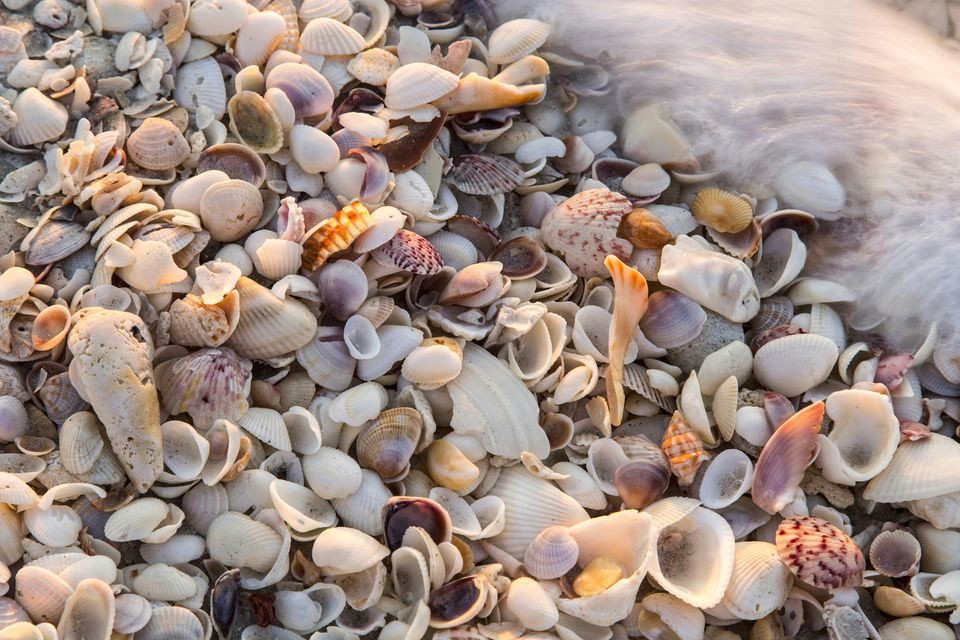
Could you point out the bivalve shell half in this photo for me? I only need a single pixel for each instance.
(308, 91)
(794, 364)
(819, 554)
(760, 582)
(343, 550)
(254, 122)
(551, 554)
(157, 144)
(895, 553)
(329, 37)
(269, 327)
(919, 469)
(721, 210)
(514, 39)
(417, 84)
(230, 209)
(583, 229)
(39, 119)
(237, 540)
(785, 457)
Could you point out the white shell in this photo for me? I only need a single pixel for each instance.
(237, 540)
(784, 256)
(136, 520)
(329, 37)
(919, 469)
(313, 149)
(760, 582)
(863, 439)
(57, 526)
(528, 603)
(728, 476)
(417, 84)
(514, 39)
(343, 550)
(197, 86)
(40, 119)
(810, 186)
(715, 280)
(331, 473)
(794, 364)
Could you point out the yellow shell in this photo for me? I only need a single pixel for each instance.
(896, 602)
(683, 449)
(598, 576)
(335, 234)
(721, 210)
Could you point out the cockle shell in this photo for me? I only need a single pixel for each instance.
(329, 37)
(40, 118)
(529, 603)
(514, 39)
(194, 88)
(919, 469)
(722, 210)
(417, 84)
(207, 384)
(819, 554)
(157, 144)
(484, 174)
(269, 327)
(262, 34)
(794, 364)
(716, 281)
(895, 553)
(450, 468)
(760, 582)
(728, 476)
(386, 447)
(434, 363)
(583, 229)
(41, 593)
(785, 457)
(112, 351)
(411, 252)
(230, 209)
(551, 554)
(237, 540)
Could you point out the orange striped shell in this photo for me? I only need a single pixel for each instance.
(334, 235)
(683, 449)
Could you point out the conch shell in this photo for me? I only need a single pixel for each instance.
(111, 369)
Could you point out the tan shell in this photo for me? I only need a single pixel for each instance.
(254, 122)
(230, 209)
(157, 144)
(417, 84)
(514, 39)
(722, 210)
(386, 447)
(269, 327)
(40, 119)
(193, 323)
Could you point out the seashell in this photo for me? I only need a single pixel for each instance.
(135, 521)
(760, 582)
(386, 222)
(630, 304)
(167, 623)
(57, 526)
(235, 160)
(863, 439)
(896, 602)
(484, 174)
(207, 384)
(269, 327)
(727, 477)
(132, 613)
(330, 37)
(334, 234)
(106, 378)
(785, 457)
(88, 612)
(331, 473)
(515, 39)
(41, 593)
(237, 540)
(939, 548)
(216, 18)
(450, 468)
(672, 319)
(683, 449)
(373, 67)
(267, 426)
(644, 230)
(457, 602)
(26, 467)
(521, 257)
(14, 420)
(357, 405)
(386, 446)
(343, 286)
(39, 119)
(261, 35)
(434, 363)
(402, 513)
(178, 549)
(795, 364)
(50, 327)
(410, 252)
(551, 554)
(742, 244)
(313, 149)
(301, 508)
(810, 186)
(157, 144)
(914, 628)
(343, 550)
(493, 405)
(230, 209)
(895, 553)
(919, 469)
(308, 91)
(193, 88)
(337, 9)
(163, 582)
(472, 286)
(254, 122)
(477, 93)
(529, 604)
(716, 281)
(661, 613)
(721, 210)
(589, 219)
(819, 554)
(327, 360)
(417, 84)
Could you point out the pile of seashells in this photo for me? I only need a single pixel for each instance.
(341, 318)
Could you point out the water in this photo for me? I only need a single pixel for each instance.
(757, 85)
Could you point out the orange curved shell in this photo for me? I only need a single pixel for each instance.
(684, 450)
(334, 234)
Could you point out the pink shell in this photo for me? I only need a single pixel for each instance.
(892, 368)
(785, 457)
(819, 554)
(583, 229)
(410, 252)
(484, 174)
(778, 408)
(780, 331)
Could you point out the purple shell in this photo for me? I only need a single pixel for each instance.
(484, 174)
(411, 252)
(308, 91)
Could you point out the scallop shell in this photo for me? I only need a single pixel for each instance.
(386, 447)
(819, 554)
(230, 209)
(721, 210)
(334, 234)
(484, 174)
(329, 37)
(237, 540)
(417, 84)
(207, 384)
(785, 457)
(795, 364)
(514, 39)
(589, 220)
(919, 469)
(410, 252)
(254, 122)
(39, 119)
(269, 327)
(157, 144)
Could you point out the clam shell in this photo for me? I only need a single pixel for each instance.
(336, 9)
(202, 504)
(267, 426)
(434, 363)
(301, 508)
(819, 554)
(216, 18)
(785, 457)
(50, 327)
(254, 122)
(176, 550)
(207, 384)
(760, 582)
(41, 593)
(915, 628)
(237, 540)
(194, 88)
(895, 553)
(529, 604)
(329, 37)
(410, 252)
(863, 439)
(514, 39)
(88, 612)
(57, 526)
(386, 447)
(725, 407)
(313, 149)
(167, 623)
(919, 469)
(728, 476)
(132, 613)
(584, 229)
(940, 549)
(795, 364)
(416, 84)
(163, 582)
(485, 174)
(551, 554)
(13, 418)
(308, 91)
(327, 360)
(343, 550)
(332, 473)
(157, 144)
(343, 286)
(230, 209)
(39, 119)
(234, 160)
(269, 327)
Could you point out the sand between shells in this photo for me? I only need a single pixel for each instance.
(344, 318)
